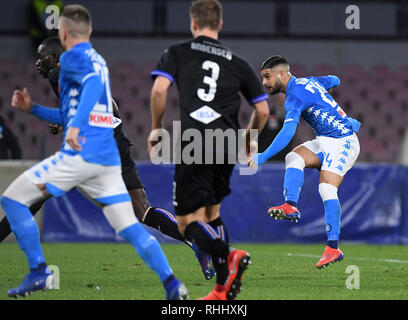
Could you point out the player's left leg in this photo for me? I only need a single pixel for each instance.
(328, 186)
(15, 201)
(29, 188)
(230, 269)
(109, 190)
(340, 156)
(120, 216)
(213, 219)
(51, 177)
(5, 229)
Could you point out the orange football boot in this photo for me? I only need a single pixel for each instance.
(329, 257)
(219, 293)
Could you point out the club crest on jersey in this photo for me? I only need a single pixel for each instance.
(205, 114)
(101, 119)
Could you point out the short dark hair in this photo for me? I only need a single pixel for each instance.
(52, 45)
(273, 61)
(77, 13)
(207, 13)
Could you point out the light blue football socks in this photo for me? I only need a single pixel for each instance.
(25, 228)
(292, 185)
(148, 248)
(332, 214)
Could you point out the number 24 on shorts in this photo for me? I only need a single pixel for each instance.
(326, 158)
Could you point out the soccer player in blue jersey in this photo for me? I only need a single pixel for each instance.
(334, 151)
(89, 158)
(48, 53)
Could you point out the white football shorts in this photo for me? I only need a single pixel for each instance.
(338, 154)
(61, 173)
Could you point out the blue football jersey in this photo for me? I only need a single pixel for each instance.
(77, 66)
(308, 97)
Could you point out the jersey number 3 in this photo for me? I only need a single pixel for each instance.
(210, 81)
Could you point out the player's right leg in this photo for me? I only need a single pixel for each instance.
(53, 176)
(26, 190)
(328, 185)
(341, 154)
(5, 229)
(109, 190)
(304, 156)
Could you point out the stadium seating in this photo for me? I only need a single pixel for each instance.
(377, 96)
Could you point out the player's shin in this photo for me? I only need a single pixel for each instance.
(150, 251)
(121, 217)
(26, 231)
(206, 239)
(148, 248)
(163, 221)
(220, 265)
(294, 177)
(5, 229)
(332, 213)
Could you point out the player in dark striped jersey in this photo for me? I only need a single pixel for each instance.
(209, 78)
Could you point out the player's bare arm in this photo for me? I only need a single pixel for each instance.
(257, 121)
(158, 101)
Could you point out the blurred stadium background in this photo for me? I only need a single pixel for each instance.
(371, 63)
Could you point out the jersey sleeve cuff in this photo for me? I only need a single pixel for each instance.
(259, 99)
(156, 73)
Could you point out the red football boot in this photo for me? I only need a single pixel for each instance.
(238, 261)
(285, 211)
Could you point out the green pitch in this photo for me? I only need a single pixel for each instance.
(278, 272)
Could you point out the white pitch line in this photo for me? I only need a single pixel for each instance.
(352, 258)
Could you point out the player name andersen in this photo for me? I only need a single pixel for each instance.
(209, 309)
